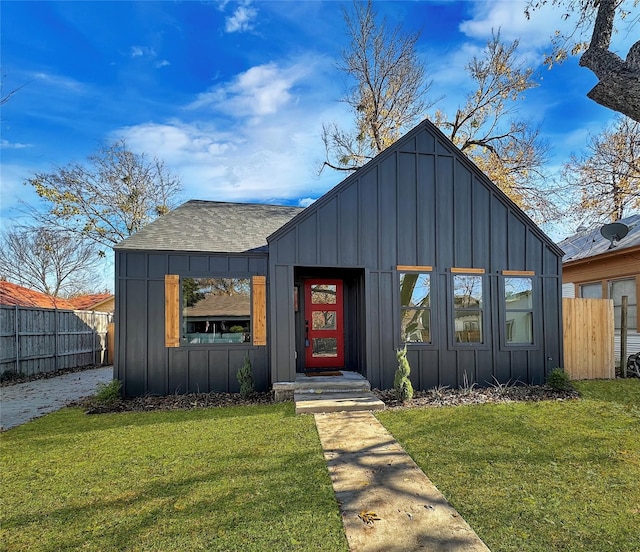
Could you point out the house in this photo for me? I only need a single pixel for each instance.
(417, 246)
(597, 268)
(14, 295)
(99, 302)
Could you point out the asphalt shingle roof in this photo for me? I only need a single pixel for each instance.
(591, 243)
(212, 226)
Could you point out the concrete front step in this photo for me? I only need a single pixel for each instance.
(313, 403)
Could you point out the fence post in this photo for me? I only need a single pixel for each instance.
(93, 327)
(16, 325)
(623, 336)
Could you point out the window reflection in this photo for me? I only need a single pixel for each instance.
(216, 310)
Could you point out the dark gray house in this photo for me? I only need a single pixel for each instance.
(416, 247)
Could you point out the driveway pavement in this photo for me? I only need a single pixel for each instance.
(23, 402)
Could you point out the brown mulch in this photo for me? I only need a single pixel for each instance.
(433, 398)
(456, 397)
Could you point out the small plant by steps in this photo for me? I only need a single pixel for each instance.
(401, 382)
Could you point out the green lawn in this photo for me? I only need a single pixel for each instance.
(537, 476)
(242, 478)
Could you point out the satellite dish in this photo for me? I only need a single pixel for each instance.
(614, 232)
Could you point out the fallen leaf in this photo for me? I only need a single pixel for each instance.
(368, 517)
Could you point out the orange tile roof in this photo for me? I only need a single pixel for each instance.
(85, 302)
(13, 294)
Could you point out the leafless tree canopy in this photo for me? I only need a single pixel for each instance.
(388, 96)
(53, 262)
(619, 79)
(606, 179)
(108, 198)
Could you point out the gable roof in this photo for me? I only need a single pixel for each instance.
(86, 302)
(212, 226)
(590, 243)
(14, 295)
(443, 144)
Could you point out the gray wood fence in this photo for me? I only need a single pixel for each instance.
(34, 341)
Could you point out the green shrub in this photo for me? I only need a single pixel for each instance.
(558, 380)
(245, 377)
(108, 393)
(236, 329)
(401, 382)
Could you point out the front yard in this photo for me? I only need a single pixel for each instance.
(539, 476)
(239, 478)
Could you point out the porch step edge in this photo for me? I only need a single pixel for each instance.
(307, 403)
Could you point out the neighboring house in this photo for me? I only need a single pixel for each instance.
(14, 295)
(417, 246)
(100, 302)
(593, 269)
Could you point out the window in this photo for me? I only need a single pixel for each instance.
(518, 305)
(591, 291)
(216, 311)
(468, 306)
(618, 288)
(415, 307)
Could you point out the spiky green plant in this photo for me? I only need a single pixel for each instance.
(401, 382)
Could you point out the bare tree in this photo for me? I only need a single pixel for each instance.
(508, 150)
(109, 198)
(388, 96)
(606, 179)
(53, 262)
(619, 80)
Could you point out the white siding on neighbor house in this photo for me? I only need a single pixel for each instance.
(569, 290)
(633, 344)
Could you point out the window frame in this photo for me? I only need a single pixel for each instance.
(610, 283)
(214, 344)
(174, 311)
(485, 343)
(399, 338)
(534, 310)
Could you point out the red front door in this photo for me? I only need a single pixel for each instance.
(323, 314)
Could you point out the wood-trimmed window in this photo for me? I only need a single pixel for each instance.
(215, 311)
(415, 304)
(467, 285)
(518, 310)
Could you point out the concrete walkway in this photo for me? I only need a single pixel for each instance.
(387, 503)
(23, 402)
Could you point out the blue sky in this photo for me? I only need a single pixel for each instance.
(233, 95)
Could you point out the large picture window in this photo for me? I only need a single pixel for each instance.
(468, 305)
(415, 307)
(216, 310)
(518, 305)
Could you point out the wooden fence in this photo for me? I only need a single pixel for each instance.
(34, 341)
(588, 332)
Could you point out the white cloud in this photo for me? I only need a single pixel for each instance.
(143, 52)
(274, 161)
(259, 91)
(306, 201)
(162, 63)
(5, 144)
(242, 20)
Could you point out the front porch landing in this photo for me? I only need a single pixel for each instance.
(349, 391)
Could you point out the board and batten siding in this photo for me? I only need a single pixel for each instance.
(420, 203)
(144, 362)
